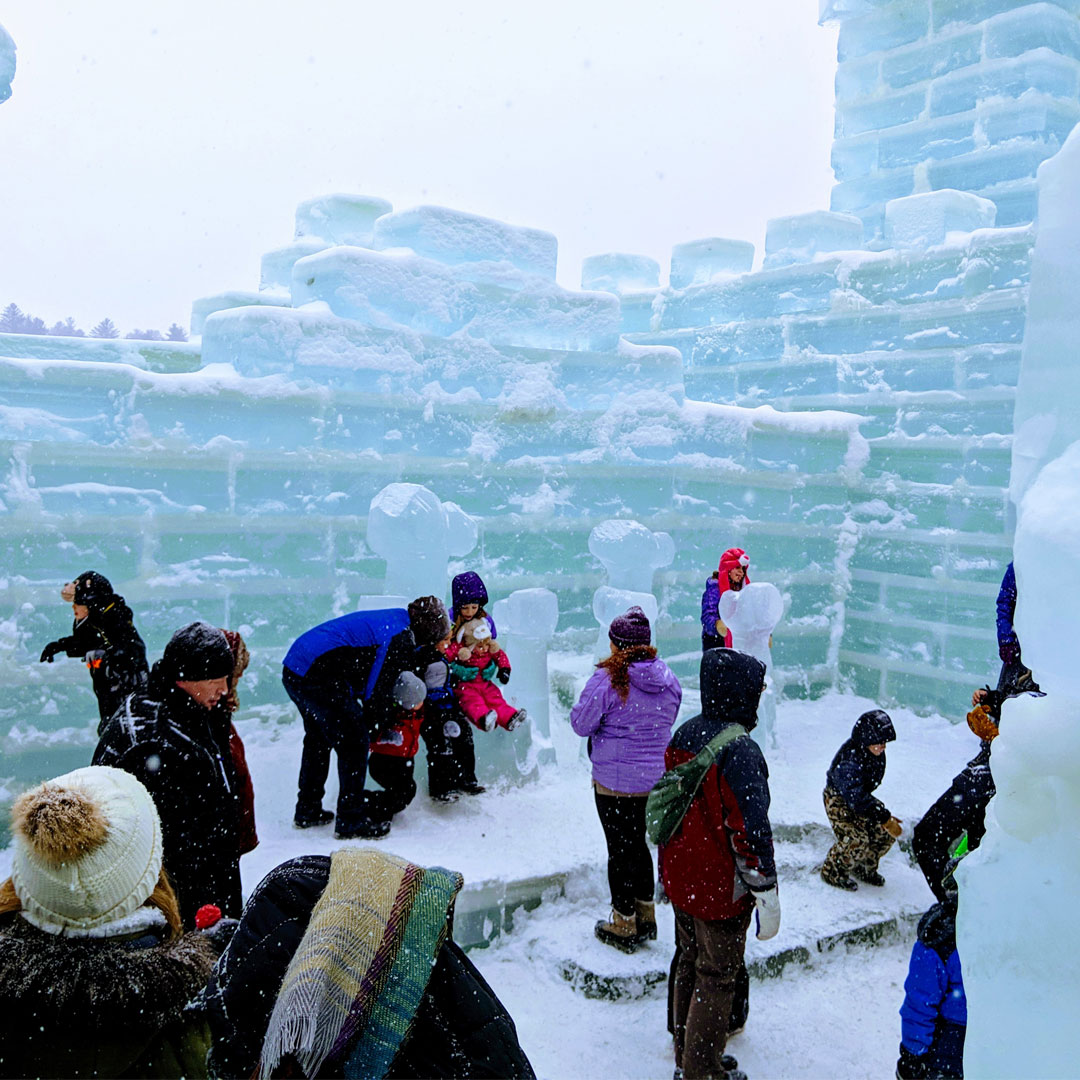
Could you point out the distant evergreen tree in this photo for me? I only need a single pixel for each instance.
(71, 330)
(105, 329)
(34, 325)
(145, 335)
(12, 320)
(177, 333)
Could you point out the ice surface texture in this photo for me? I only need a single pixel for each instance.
(7, 64)
(966, 94)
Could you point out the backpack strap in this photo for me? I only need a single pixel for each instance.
(708, 753)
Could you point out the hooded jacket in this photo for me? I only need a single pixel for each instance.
(173, 745)
(627, 738)
(717, 584)
(855, 773)
(100, 1006)
(113, 650)
(934, 987)
(723, 849)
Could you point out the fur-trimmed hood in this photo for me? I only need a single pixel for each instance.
(86, 1006)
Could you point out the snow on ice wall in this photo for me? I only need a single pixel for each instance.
(1022, 974)
(232, 478)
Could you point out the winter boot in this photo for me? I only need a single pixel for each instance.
(488, 720)
(838, 882)
(646, 920)
(620, 932)
(364, 830)
(516, 720)
(312, 821)
(871, 877)
(471, 787)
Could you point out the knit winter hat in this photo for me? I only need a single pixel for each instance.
(196, 652)
(87, 849)
(90, 589)
(428, 619)
(468, 588)
(409, 691)
(732, 558)
(630, 629)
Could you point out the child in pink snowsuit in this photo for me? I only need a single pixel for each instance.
(476, 661)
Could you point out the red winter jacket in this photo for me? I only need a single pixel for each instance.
(402, 737)
(723, 850)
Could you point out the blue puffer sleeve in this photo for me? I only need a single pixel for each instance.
(710, 606)
(924, 990)
(1006, 608)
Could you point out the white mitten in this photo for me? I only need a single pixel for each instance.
(767, 913)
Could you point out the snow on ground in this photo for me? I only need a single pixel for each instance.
(801, 1027)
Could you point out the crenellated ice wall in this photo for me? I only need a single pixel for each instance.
(845, 413)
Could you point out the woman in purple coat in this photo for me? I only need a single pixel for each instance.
(627, 710)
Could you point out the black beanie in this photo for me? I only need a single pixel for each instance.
(196, 652)
(428, 619)
(92, 589)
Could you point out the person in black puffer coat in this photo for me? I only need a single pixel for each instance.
(459, 1029)
(166, 738)
(864, 827)
(104, 636)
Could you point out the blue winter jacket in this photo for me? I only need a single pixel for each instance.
(934, 987)
(1008, 642)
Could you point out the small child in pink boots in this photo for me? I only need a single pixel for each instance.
(476, 661)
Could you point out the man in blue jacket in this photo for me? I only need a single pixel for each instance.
(934, 1013)
(345, 676)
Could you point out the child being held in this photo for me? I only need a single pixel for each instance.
(476, 661)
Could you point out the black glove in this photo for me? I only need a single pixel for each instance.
(503, 675)
(50, 651)
(911, 1066)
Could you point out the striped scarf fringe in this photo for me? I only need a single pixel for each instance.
(357, 978)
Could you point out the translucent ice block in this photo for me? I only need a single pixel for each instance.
(699, 261)
(7, 64)
(616, 272)
(802, 236)
(277, 265)
(886, 28)
(1032, 26)
(340, 219)
(207, 305)
(924, 220)
(452, 236)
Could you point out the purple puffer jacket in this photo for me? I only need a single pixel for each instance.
(629, 737)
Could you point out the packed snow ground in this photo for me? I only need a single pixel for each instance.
(801, 1025)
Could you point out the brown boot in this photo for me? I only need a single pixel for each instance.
(621, 932)
(646, 920)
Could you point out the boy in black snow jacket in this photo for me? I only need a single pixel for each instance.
(104, 636)
(864, 827)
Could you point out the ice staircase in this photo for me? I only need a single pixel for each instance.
(816, 919)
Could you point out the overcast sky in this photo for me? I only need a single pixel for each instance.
(152, 151)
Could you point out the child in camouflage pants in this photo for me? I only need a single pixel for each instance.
(864, 827)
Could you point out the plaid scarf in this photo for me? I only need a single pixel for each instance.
(356, 980)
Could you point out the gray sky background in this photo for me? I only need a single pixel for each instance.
(151, 152)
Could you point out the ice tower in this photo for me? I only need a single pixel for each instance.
(7, 64)
(845, 413)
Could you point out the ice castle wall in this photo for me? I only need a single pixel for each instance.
(844, 413)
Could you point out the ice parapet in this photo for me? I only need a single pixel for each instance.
(393, 290)
(416, 533)
(922, 220)
(340, 219)
(800, 237)
(615, 272)
(7, 64)
(451, 237)
(697, 262)
(234, 298)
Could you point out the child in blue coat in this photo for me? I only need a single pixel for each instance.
(934, 1013)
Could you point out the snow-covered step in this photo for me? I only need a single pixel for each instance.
(815, 919)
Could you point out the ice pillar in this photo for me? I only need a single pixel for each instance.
(1017, 933)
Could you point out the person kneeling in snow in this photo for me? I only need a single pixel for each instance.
(476, 661)
(864, 827)
(393, 753)
(371, 981)
(934, 1013)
